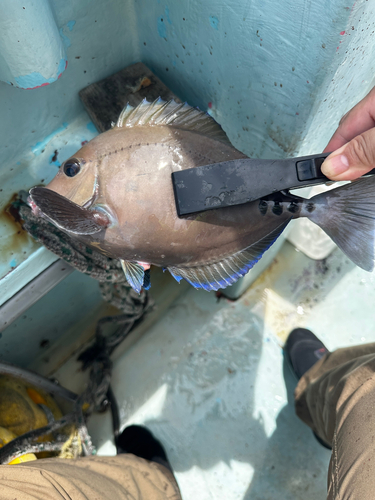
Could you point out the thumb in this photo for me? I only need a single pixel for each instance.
(352, 160)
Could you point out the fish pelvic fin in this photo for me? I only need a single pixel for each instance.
(174, 114)
(66, 215)
(347, 215)
(136, 276)
(227, 271)
(147, 280)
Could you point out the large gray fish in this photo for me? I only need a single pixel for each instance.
(116, 195)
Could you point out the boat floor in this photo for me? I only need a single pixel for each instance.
(208, 378)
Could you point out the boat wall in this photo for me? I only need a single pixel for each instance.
(277, 75)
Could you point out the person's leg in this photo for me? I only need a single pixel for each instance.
(336, 398)
(123, 477)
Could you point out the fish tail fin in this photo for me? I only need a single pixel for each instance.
(347, 215)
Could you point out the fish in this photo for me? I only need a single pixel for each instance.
(116, 196)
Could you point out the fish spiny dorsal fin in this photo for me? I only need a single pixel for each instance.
(124, 115)
(227, 271)
(174, 114)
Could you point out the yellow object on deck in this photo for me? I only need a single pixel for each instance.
(35, 396)
(19, 410)
(5, 437)
(29, 457)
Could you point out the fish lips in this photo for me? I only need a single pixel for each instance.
(65, 214)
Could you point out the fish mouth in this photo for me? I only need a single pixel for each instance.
(35, 210)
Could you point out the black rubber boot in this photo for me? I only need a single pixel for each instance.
(139, 441)
(303, 349)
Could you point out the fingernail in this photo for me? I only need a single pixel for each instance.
(335, 166)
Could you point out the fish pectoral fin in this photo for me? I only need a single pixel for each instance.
(229, 270)
(134, 274)
(67, 215)
(172, 113)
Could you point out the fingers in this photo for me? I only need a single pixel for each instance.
(355, 122)
(352, 160)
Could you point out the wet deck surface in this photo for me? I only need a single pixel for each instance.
(208, 379)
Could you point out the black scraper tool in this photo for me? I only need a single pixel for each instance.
(239, 181)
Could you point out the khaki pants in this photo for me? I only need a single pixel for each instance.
(124, 477)
(336, 398)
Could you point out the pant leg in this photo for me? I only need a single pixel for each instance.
(123, 477)
(336, 398)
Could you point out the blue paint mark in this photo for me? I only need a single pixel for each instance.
(35, 80)
(162, 29)
(40, 146)
(13, 263)
(167, 15)
(214, 21)
(91, 127)
(70, 25)
(65, 39)
(174, 63)
(61, 67)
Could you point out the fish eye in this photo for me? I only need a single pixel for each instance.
(71, 167)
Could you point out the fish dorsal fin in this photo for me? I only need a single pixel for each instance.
(174, 114)
(227, 271)
(134, 274)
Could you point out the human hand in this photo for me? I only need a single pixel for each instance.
(353, 143)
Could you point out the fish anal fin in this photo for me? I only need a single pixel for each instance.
(226, 272)
(134, 274)
(181, 115)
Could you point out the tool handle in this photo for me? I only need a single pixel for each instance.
(308, 169)
(234, 182)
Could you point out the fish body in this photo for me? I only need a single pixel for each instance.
(116, 195)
